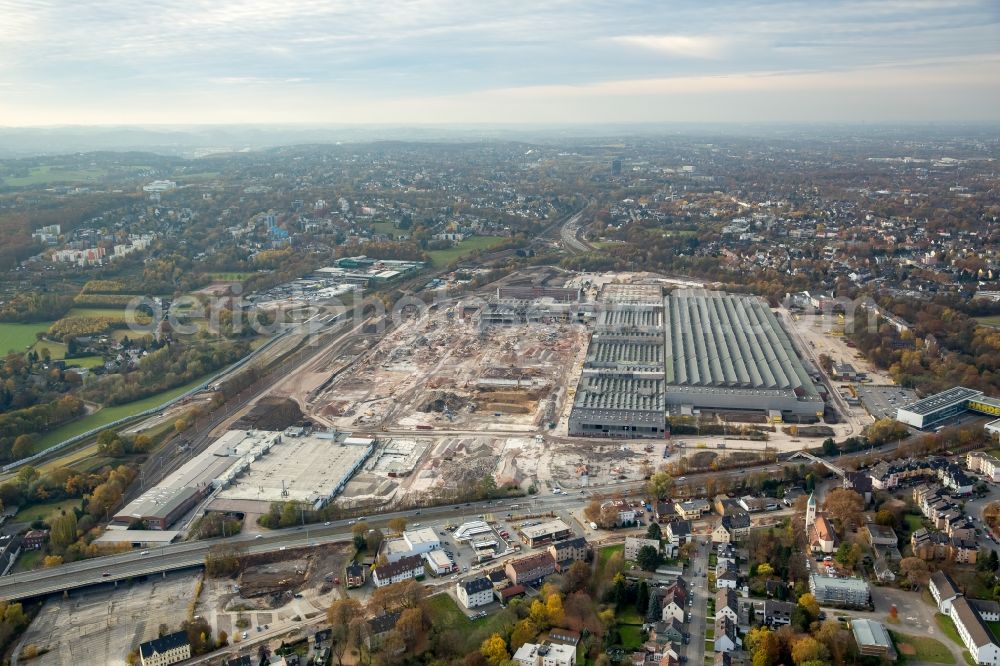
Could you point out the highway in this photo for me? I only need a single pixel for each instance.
(570, 235)
(191, 554)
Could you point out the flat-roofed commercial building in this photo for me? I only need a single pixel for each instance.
(937, 408)
(872, 639)
(547, 532)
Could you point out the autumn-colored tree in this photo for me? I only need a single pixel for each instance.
(495, 650)
(765, 569)
(806, 649)
(914, 570)
(845, 506)
(577, 578)
(763, 645)
(810, 606)
(524, 631)
(339, 616)
(660, 485)
(554, 610)
(397, 525)
(52, 561)
(411, 627)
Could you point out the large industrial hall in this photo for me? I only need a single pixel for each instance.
(652, 356)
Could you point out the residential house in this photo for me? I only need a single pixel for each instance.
(34, 539)
(566, 552)
(663, 511)
(974, 633)
(673, 601)
(379, 627)
(625, 513)
(726, 603)
(505, 594)
(776, 613)
(732, 528)
(564, 636)
(985, 464)
(634, 544)
(845, 592)
(726, 635)
(729, 577)
(963, 551)
(678, 532)
(752, 504)
(692, 509)
(474, 593)
(355, 575)
(944, 590)
(531, 569)
(168, 649)
(668, 631)
(405, 568)
(929, 545)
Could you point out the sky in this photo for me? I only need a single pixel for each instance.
(65, 62)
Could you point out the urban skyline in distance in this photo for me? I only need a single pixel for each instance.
(447, 62)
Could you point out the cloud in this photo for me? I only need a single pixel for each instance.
(74, 61)
(685, 46)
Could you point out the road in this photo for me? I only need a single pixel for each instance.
(190, 554)
(699, 595)
(569, 233)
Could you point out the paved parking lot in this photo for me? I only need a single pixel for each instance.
(882, 400)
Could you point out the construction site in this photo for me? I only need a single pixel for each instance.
(538, 380)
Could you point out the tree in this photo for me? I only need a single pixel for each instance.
(410, 627)
(495, 650)
(809, 604)
(524, 632)
(654, 532)
(554, 610)
(845, 506)
(807, 649)
(593, 510)
(914, 570)
(660, 485)
(763, 645)
(765, 569)
(576, 578)
(397, 525)
(63, 531)
(642, 598)
(52, 561)
(373, 540)
(339, 616)
(223, 638)
(648, 558)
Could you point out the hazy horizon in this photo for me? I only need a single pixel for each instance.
(434, 62)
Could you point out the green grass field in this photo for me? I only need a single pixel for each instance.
(441, 258)
(86, 361)
(631, 636)
(925, 649)
(229, 276)
(110, 313)
(108, 415)
(446, 615)
(54, 174)
(628, 615)
(947, 626)
(992, 320)
(18, 337)
(387, 228)
(913, 522)
(47, 510)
